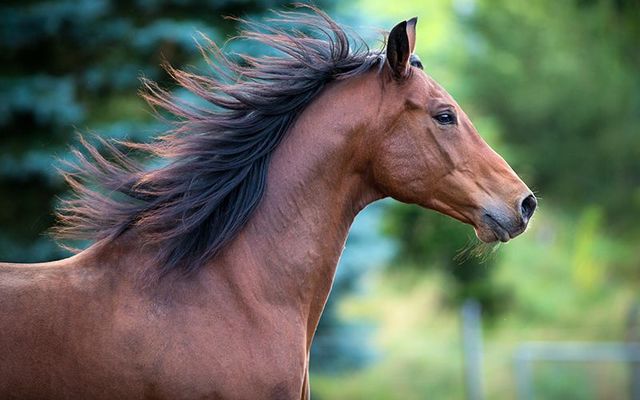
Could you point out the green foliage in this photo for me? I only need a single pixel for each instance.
(419, 334)
(561, 79)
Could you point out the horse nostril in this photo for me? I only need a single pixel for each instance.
(527, 207)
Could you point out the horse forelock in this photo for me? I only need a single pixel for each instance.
(215, 158)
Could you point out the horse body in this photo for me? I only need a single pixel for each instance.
(193, 343)
(95, 326)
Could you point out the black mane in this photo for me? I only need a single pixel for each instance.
(216, 158)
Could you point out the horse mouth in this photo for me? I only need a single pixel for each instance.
(499, 232)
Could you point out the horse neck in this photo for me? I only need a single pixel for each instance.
(317, 184)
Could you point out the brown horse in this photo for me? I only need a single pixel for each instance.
(210, 272)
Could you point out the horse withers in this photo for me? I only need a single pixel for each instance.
(209, 273)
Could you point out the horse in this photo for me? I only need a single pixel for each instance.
(209, 270)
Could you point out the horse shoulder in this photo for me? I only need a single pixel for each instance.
(202, 342)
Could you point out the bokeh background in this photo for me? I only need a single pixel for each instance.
(554, 86)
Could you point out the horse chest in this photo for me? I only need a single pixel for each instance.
(207, 357)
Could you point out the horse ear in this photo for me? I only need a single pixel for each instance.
(400, 45)
(411, 34)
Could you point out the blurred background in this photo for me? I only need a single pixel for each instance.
(554, 86)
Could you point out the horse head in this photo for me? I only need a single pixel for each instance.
(427, 151)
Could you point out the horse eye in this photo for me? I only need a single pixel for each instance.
(445, 118)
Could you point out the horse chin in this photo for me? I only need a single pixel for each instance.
(488, 235)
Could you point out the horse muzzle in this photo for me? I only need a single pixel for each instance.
(499, 224)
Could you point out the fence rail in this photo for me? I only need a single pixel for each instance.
(529, 352)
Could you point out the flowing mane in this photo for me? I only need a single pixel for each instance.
(215, 159)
